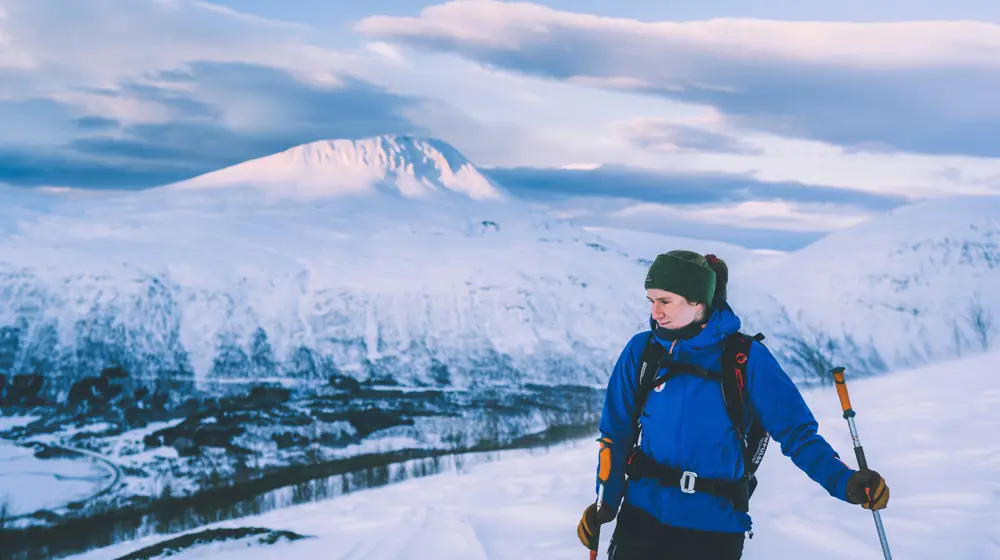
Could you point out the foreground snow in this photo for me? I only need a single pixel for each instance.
(930, 432)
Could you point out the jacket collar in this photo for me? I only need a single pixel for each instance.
(704, 346)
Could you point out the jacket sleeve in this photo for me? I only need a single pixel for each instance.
(617, 419)
(786, 416)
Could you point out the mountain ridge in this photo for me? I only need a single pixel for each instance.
(409, 166)
(918, 281)
(201, 280)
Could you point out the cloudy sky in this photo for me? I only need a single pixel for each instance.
(775, 121)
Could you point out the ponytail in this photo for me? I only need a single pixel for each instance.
(721, 277)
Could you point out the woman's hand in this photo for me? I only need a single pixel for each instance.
(590, 524)
(868, 489)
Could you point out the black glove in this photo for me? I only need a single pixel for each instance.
(867, 488)
(590, 524)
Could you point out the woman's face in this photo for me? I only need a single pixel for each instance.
(672, 311)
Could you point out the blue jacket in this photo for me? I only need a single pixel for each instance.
(686, 426)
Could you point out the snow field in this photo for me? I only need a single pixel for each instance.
(928, 431)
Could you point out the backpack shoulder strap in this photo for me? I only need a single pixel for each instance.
(736, 396)
(734, 375)
(648, 366)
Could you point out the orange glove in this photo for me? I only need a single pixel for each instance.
(868, 489)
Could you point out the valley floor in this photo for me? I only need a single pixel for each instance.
(29, 484)
(931, 432)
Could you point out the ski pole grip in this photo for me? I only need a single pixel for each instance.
(604, 460)
(841, 384)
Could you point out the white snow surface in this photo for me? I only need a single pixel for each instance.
(912, 283)
(296, 247)
(353, 278)
(646, 245)
(29, 484)
(927, 431)
(179, 272)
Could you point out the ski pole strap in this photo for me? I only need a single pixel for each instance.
(845, 398)
(642, 466)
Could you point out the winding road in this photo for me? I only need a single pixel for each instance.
(111, 465)
(114, 470)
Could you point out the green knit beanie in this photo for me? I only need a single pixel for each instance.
(684, 273)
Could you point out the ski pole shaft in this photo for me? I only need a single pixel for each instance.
(603, 472)
(859, 452)
(600, 498)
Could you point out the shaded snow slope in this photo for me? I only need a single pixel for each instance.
(225, 276)
(207, 283)
(409, 166)
(346, 281)
(646, 245)
(196, 282)
(917, 434)
(918, 284)
(759, 308)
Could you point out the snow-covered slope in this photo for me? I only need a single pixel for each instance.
(759, 309)
(647, 245)
(409, 166)
(207, 283)
(918, 284)
(930, 440)
(322, 259)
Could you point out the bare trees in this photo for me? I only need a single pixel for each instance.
(974, 328)
(809, 351)
(814, 353)
(6, 510)
(981, 322)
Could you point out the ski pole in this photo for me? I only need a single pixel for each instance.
(845, 403)
(597, 530)
(603, 472)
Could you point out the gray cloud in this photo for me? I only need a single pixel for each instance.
(678, 188)
(916, 87)
(94, 122)
(133, 94)
(50, 45)
(666, 136)
(108, 153)
(31, 168)
(776, 239)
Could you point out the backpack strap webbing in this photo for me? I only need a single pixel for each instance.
(751, 433)
(648, 366)
(733, 383)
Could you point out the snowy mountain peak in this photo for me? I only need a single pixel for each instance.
(407, 166)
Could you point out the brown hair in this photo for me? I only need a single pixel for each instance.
(721, 275)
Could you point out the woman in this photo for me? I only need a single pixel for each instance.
(685, 426)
